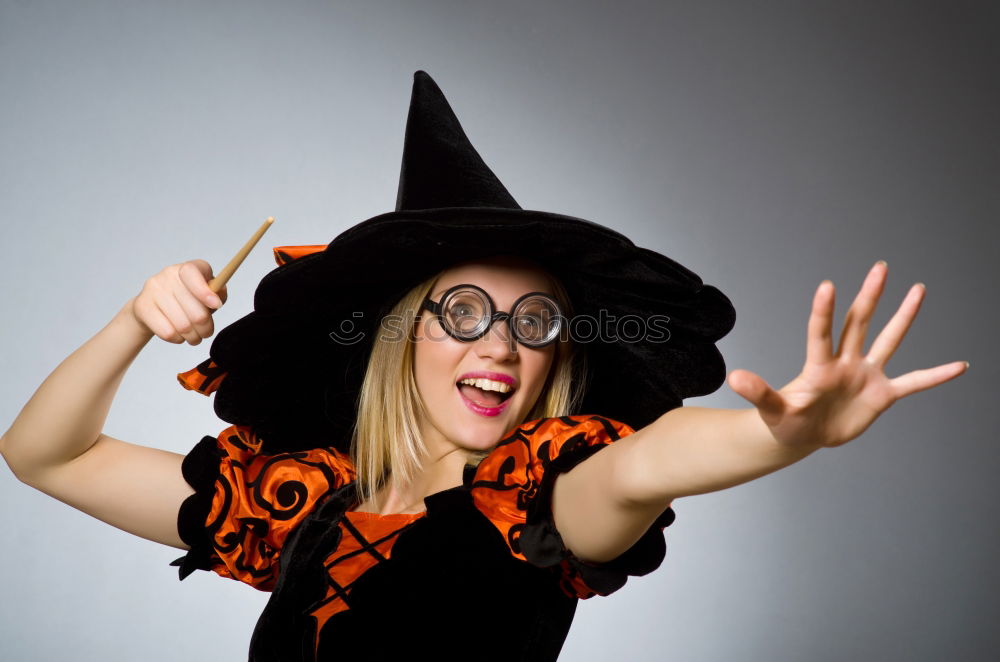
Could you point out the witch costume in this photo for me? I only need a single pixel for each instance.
(482, 573)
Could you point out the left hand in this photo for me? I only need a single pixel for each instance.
(838, 395)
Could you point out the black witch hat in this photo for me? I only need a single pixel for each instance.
(280, 369)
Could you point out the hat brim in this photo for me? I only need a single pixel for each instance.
(297, 385)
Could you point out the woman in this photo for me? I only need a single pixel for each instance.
(443, 451)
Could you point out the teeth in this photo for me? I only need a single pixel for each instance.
(487, 385)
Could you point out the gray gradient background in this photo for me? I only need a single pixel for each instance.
(766, 146)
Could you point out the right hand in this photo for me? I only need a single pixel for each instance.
(177, 303)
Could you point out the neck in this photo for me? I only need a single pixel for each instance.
(443, 470)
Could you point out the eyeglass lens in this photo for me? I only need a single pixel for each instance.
(535, 319)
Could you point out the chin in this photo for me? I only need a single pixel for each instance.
(484, 437)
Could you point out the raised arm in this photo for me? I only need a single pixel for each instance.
(604, 504)
(56, 445)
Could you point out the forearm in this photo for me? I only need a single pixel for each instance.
(67, 413)
(694, 450)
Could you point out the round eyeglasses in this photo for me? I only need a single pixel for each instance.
(467, 312)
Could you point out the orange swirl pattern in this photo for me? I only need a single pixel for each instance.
(508, 479)
(259, 499)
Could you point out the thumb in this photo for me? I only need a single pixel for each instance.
(201, 287)
(203, 266)
(752, 388)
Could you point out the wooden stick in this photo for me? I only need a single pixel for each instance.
(220, 280)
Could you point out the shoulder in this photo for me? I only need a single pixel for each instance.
(565, 440)
(240, 446)
(246, 502)
(512, 487)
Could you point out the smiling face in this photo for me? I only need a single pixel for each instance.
(454, 419)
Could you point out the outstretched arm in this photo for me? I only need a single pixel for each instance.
(603, 505)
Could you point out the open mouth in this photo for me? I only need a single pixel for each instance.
(484, 397)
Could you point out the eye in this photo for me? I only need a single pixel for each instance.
(461, 310)
(537, 319)
(464, 313)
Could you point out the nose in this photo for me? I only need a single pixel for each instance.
(498, 342)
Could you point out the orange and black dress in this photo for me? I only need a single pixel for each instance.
(481, 574)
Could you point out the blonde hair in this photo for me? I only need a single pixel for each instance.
(386, 444)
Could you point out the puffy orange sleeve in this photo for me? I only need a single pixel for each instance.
(246, 503)
(513, 488)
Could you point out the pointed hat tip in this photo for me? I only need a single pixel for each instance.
(440, 166)
(424, 84)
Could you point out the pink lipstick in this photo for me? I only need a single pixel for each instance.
(486, 410)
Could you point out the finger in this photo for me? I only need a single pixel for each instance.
(156, 320)
(197, 314)
(195, 297)
(168, 304)
(197, 300)
(195, 274)
(852, 338)
(819, 336)
(888, 340)
(921, 380)
(755, 390)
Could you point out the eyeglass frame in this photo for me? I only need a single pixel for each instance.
(435, 308)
